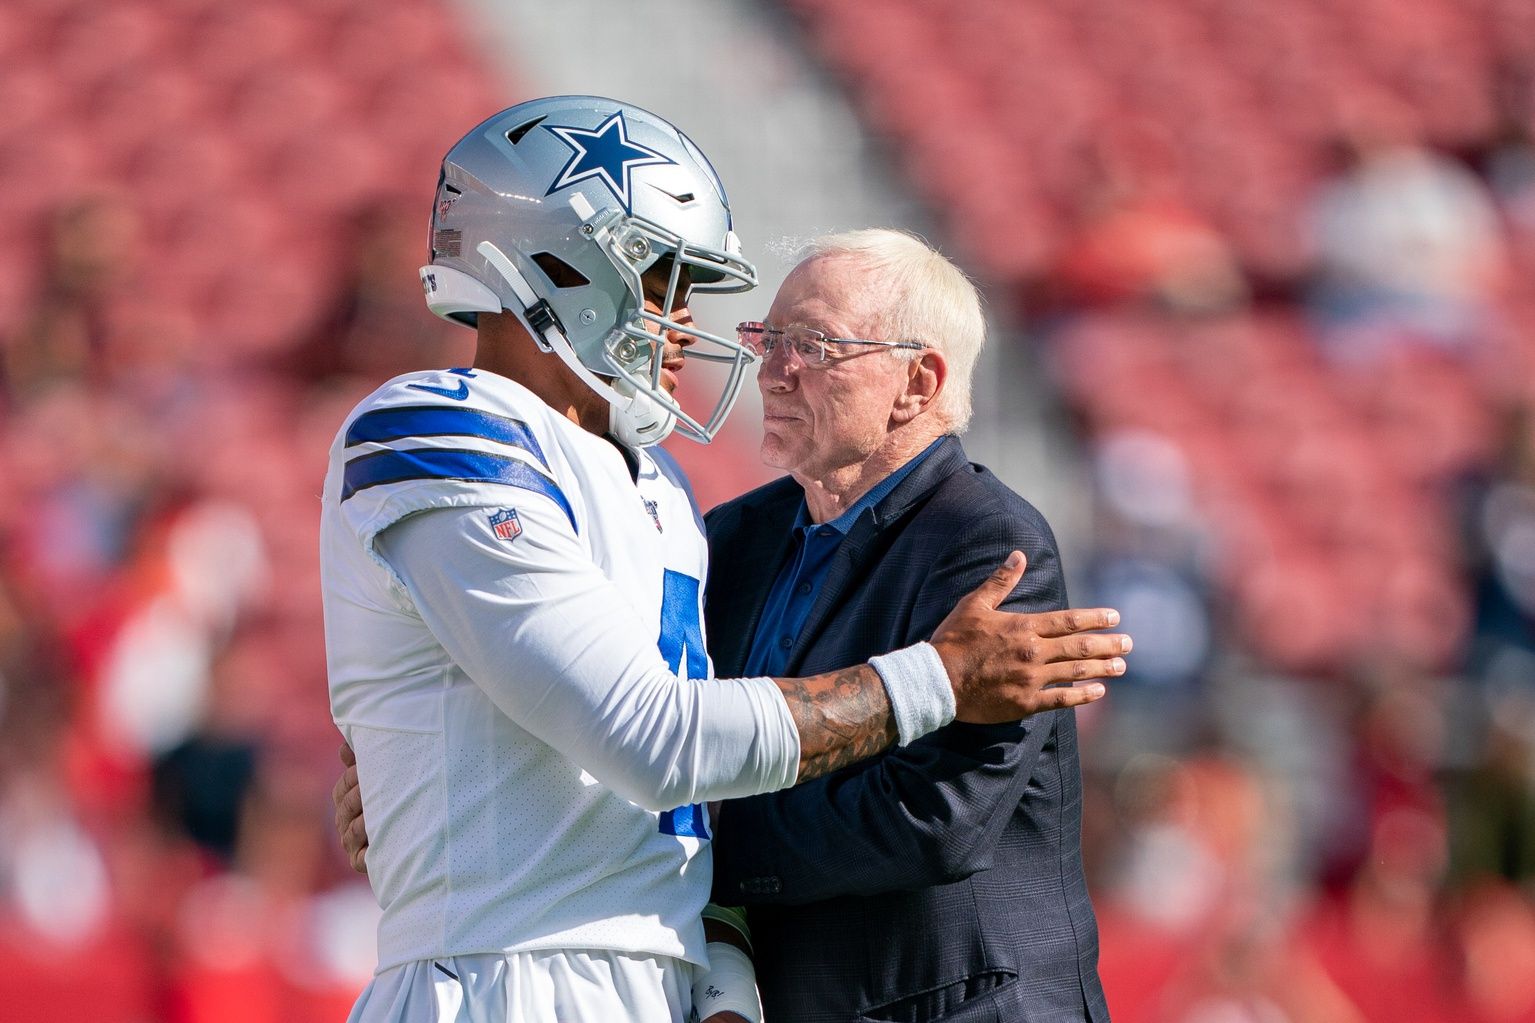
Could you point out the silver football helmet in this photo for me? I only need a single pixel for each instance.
(555, 210)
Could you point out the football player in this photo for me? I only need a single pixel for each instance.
(513, 608)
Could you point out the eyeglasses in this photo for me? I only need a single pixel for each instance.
(809, 347)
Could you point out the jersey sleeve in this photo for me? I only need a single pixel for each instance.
(547, 636)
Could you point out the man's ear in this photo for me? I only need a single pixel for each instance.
(925, 377)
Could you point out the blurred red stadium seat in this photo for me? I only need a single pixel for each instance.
(95, 42)
(108, 978)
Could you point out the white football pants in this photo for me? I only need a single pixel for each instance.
(553, 986)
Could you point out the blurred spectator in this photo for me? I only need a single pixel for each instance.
(55, 878)
(204, 563)
(1491, 800)
(1139, 249)
(377, 326)
(201, 784)
(1378, 940)
(1408, 244)
(59, 916)
(1194, 917)
(1399, 737)
(1148, 544)
(1495, 931)
(92, 250)
(1139, 242)
(1510, 162)
(84, 467)
(277, 940)
(1500, 549)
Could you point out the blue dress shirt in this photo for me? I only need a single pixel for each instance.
(799, 581)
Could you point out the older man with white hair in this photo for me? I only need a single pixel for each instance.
(943, 879)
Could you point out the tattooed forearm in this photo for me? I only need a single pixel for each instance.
(842, 717)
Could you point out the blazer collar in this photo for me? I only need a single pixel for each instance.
(850, 564)
(779, 502)
(947, 459)
(767, 516)
(735, 595)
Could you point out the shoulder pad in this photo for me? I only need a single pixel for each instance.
(456, 438)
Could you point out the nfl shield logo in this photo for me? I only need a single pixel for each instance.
(506, 524)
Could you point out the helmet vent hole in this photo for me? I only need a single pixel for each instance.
(516, 134)
(560, 273)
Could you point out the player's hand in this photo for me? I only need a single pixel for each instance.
(346, 796)
(1006, 666)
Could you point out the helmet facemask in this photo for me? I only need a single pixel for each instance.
(632, 354)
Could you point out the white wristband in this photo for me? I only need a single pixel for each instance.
(921, 696)
(729, 985)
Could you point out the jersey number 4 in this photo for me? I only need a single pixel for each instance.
(682, 643)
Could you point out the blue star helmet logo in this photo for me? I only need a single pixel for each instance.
(605, 154)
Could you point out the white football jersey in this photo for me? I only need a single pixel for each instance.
(512, 623)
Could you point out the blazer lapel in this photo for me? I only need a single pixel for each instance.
(855, 558)
(738, 587)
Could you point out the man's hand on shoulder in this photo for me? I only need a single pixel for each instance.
(1006, 666)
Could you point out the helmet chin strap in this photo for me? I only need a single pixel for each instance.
(634, 419)
(640, 421)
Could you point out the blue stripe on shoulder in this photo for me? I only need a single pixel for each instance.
(383, 467)
(388, 424)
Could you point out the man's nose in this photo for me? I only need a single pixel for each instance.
(777, 370)
(682, 316)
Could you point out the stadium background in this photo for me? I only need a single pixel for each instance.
(1262, 279)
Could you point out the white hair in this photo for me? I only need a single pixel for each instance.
(929, 300)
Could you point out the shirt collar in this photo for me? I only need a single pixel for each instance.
(843, 523)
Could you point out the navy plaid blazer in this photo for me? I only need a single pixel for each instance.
(941, 880)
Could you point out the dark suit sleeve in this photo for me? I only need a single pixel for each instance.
(924, 814)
